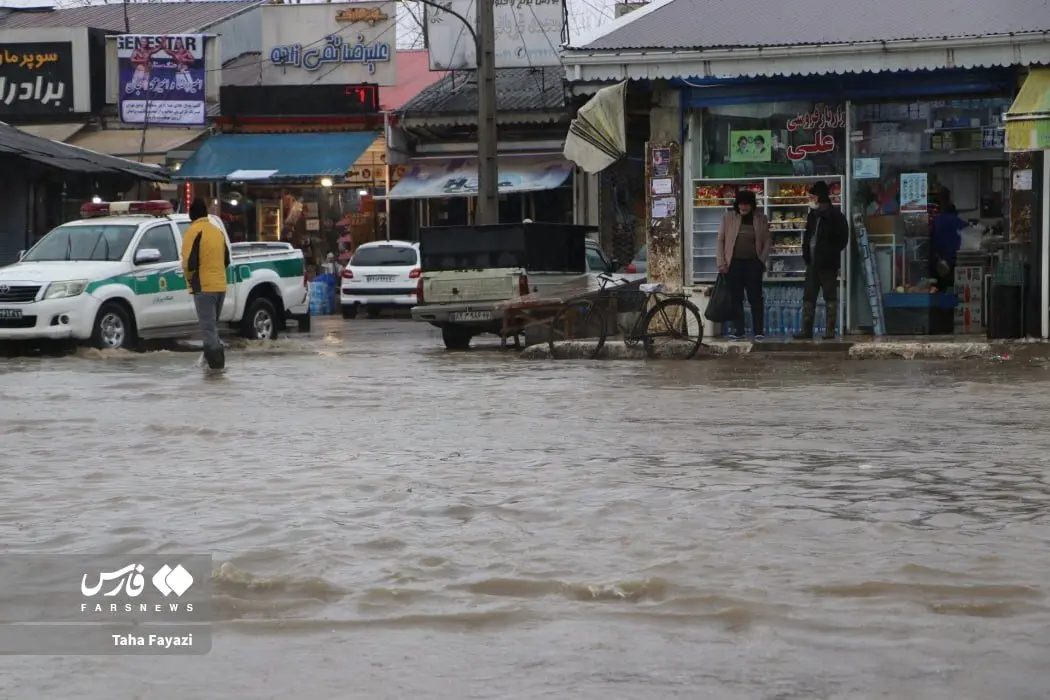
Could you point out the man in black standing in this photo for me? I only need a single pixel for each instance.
(827, 235)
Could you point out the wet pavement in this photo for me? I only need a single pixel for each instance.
(390, 520)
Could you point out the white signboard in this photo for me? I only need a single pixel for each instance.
(528, 34)
(329, 44)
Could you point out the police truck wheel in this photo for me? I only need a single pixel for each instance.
(260, 321)
(113, 328)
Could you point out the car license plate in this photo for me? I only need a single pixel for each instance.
(380, 278)
(472, 316)
(10, 313)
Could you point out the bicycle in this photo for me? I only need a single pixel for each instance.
(584, 313)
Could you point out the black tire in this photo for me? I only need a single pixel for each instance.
(673, 312)
(588, 318)
(114, 328)
(260, 320)
(456, 337)
(350, 311)
(372, 312)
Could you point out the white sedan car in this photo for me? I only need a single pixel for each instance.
(380, 275)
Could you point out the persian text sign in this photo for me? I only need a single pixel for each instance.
(134, 604)
(528, 34)
(823, 118)
(161, 79)
(36, 79)
(359, 44)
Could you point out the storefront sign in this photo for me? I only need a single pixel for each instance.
(298, 100)
(458, 177)
(528, 34)
(362, 50)
(914, 195)
(161, 79)
(821, 120)
(333, 51)
(36, 79)
(369, 15)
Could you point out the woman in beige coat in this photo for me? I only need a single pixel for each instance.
(744, 245)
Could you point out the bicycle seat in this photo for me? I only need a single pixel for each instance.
(654, 288)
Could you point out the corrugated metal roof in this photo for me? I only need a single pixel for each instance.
(517, 90)
(70, 158)
(711, 24)
(55, 132)
(144, 17)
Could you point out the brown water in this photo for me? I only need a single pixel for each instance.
(392, 521)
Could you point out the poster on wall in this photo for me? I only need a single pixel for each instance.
(36, 79)
(528, 34)
(330, 44)
(751, 146)
(161, 79)
(913, 193)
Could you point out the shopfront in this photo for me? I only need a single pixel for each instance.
(288, 187)
(895, 154)
(444, 189)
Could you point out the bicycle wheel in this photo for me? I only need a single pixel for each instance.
(673, 319)
(577, 320)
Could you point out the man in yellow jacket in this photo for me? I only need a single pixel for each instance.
(205, 259)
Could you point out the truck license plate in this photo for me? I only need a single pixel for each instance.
(10, 313)
(472, 316)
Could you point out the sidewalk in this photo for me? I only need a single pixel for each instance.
(859, 348)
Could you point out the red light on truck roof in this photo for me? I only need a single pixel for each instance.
(155, 207)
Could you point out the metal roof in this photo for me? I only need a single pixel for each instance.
(71, 158)
(517, 90)
(144, 17)
(714, 24)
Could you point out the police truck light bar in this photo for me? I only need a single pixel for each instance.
(155, 207)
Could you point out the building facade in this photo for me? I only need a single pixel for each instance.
(897, 127)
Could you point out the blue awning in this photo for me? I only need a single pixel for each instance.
(276, 157)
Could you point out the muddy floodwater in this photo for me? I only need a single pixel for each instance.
(390, 521)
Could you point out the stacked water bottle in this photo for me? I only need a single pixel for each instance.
(783, 313)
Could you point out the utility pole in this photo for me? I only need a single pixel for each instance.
(488, 164)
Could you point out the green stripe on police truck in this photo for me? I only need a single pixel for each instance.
(172, 281)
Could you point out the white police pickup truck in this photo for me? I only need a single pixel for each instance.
(115, 277)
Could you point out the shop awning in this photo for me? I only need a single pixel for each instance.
(458, 177)
(127, 143)
(55, 132)
(1028, 120)
(287, 157)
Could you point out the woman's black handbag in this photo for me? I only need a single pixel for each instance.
(720, 306)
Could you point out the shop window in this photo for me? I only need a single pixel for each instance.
(774, 139)
(909, 162)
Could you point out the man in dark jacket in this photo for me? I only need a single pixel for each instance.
(827, 235)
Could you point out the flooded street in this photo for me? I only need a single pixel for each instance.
(389, 521)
